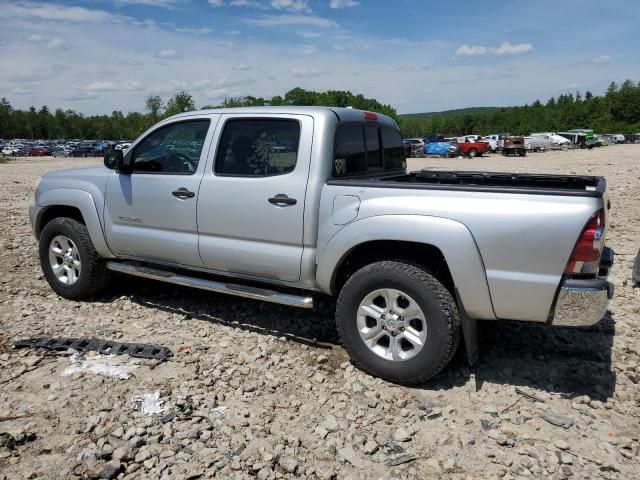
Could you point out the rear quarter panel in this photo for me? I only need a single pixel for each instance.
(524, 240)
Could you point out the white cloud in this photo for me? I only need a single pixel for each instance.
(306, 34)
(108, 86)
(289, 5)
(573, 86)
(343, 3)
(508, 49)
(150, 3)
(601, 60)
(51, 12)
(194, 31)
(21, 91)
(306, 49)
(100, 86)
(241, 67)
(168, 54)
(505, 48)
(288, 20)
(51, 43)
(307, 72)
(294, 5)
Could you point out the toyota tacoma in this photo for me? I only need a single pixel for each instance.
(285, 204)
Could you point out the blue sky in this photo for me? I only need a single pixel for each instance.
(96, 56)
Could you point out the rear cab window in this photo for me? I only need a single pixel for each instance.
(365, 149)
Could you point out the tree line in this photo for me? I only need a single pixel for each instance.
(44, 124)
(616, 111)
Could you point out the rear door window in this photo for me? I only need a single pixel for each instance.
(258, 147)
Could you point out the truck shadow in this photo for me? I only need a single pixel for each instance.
(314, 327)
(570, 361)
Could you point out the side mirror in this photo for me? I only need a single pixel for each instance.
(113, 159)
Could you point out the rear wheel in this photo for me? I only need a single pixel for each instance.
(473, 153)
(69, 261)
(397, 322)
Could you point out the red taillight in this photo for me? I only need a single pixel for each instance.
(586, 253)
(370, 116)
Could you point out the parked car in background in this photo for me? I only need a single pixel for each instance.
(514, 145)
(414, 141)
(498, 138)
(442, 149)
(7, 151)
(82, 151)
(556, 139)
(538, 143)
(579, 139)
(416, 146)
(617, 138)
(58, 151)
(492, 142)
(123, 146)
(472, 149)
(38, 152)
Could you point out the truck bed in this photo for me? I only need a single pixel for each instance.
(574, 185)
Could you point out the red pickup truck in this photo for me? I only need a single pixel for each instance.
(472, 149)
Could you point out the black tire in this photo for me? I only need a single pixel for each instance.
(473, 153)
(440, 312)
(93, 276)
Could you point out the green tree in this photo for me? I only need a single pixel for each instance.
(181, 102)
(153, 104)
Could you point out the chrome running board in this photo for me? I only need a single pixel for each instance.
(245, 291)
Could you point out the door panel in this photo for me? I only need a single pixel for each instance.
(151, 213)
(250, 219)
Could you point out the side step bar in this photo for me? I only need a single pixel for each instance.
(245, 291)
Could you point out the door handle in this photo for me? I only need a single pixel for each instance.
(281, 200)
(183, 193)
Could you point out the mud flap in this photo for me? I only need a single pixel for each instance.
(469, 331)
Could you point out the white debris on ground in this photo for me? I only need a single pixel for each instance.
(147, 403)
(261, 391)
(117, 366)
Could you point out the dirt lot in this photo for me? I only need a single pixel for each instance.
(256, 390)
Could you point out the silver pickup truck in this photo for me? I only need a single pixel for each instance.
(284, 204)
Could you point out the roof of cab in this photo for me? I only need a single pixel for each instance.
(343, 114)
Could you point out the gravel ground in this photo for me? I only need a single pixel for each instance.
(258, 390)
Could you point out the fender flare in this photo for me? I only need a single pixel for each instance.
(452, 238)
(83, 201)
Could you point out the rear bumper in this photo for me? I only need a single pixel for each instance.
(582, 303)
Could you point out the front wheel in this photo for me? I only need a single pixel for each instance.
(69, 260)
(473, 153)
(397, 322)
